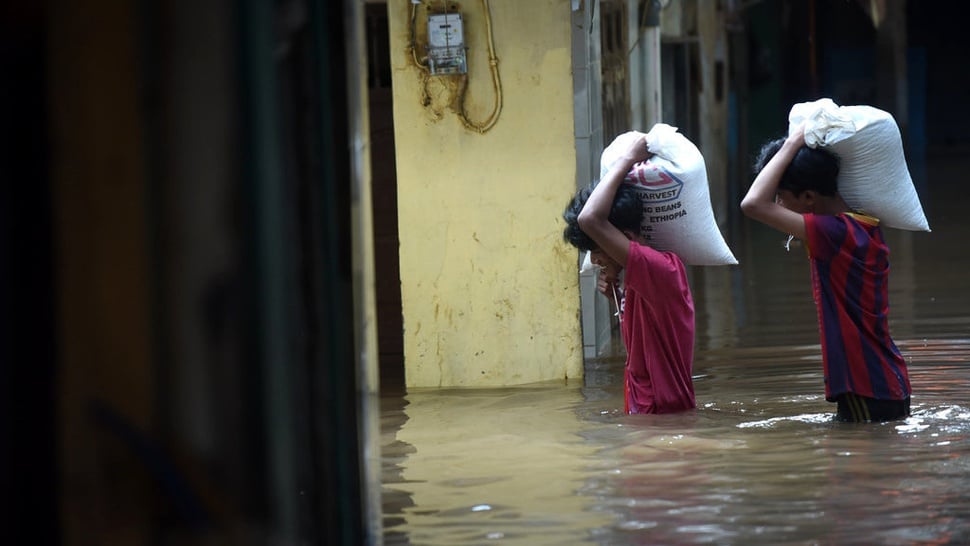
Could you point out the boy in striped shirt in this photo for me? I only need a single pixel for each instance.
(795, 191)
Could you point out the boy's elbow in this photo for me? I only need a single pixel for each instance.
(591, 224)
(746, 207)
(749, 207)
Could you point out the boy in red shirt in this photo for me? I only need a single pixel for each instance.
(795, 191)
(656, 307)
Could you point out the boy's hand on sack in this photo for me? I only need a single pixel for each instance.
(797, 135)
(637, 151)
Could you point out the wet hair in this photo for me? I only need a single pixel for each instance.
(811, 169)
(626, 215)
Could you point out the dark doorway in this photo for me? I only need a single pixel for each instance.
(390, 339)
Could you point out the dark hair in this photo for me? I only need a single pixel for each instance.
(626, 214)
(811, 169)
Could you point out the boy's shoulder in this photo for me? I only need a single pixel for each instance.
(862, 218)
(842, 219)
(654, 257)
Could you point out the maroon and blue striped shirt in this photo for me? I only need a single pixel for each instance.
(850, 278)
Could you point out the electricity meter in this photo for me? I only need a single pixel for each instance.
(446, 44)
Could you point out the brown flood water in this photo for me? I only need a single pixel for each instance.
(759, 461)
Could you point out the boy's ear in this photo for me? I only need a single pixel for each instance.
(808, 197)
(630, 235)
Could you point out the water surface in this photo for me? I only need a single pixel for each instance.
(758, 462)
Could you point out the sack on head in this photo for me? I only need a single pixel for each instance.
(873, 175)
(673, 187)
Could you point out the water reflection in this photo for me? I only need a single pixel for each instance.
(759, 461)
(495, 464)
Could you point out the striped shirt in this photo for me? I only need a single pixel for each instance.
(850, 278)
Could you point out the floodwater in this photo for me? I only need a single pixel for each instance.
(758, 462)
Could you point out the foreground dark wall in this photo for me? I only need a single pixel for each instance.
(176, 361)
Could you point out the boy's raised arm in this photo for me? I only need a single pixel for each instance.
(760, 204)
(594, 219)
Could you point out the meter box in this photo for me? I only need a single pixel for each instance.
(446, 44)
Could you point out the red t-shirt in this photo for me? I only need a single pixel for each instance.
(657, 322)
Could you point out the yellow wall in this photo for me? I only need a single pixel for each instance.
(489, 290)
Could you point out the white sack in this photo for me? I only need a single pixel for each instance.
(873, 176)
(676, 200)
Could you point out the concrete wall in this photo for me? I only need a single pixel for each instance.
(598, 323)
(489, 290)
